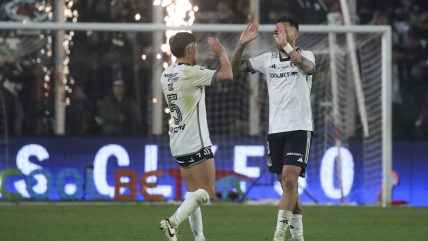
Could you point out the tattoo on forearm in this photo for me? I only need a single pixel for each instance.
(236, 61)
(302, 62)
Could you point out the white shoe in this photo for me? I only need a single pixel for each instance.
(200, 238)
(297, 239)
(279, 237)
(170, 232)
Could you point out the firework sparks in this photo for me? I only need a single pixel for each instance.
(180, 13)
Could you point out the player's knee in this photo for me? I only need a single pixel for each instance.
(201, 196)
(289, 184)
(210, 189)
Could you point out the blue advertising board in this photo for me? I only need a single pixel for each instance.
(143, 169)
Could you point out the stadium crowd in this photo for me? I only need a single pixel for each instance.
(110, 72)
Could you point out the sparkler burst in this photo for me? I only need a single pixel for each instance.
(180, 13)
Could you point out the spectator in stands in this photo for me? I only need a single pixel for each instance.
(11, 85)
(420, 94)
(119, 114)
(399, 123)
(99, 78)
(410, 34)
(243, 10)
(79, 113)
(382, 19)
(99, 11)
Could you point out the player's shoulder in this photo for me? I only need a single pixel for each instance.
(307, 54)
(195, 70)
(200, 68)
(176, 68)
(267, 56)
(300, 50)
(271, 55)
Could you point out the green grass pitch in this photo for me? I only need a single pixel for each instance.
(136, 221)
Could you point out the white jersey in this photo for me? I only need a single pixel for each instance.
(289, 90)
(183, 87)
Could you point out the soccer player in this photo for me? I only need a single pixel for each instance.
(183, 84)
(289, 79)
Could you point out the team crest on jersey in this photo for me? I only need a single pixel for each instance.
(203, 69)
(275, 55)
(292, 65)
(269, 162)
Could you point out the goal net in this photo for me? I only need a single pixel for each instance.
(231, 117)
(350, 153)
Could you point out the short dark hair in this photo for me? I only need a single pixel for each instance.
(179, 42)
(288, 19)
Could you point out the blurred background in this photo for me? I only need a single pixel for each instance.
(98, 59)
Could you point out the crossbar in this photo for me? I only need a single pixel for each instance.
(142, 27)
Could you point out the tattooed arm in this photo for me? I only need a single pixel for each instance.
(249, 34)
(303, 63)
(238, 65)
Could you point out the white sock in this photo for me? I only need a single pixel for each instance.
(195, 221)
(190, 204)
(296, 226)
(284, 218)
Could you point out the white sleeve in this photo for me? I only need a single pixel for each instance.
(309, 55)
(258, 64)
(200, 76)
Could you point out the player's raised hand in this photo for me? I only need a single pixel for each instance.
(216, 46)
(280, 36)
(250, 33)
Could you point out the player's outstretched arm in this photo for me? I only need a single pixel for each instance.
(303, 63)
(249, 34)
(225, 73)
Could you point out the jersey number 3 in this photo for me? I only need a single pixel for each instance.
(174, 110)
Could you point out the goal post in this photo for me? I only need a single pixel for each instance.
(373, 46)
(386, 117)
